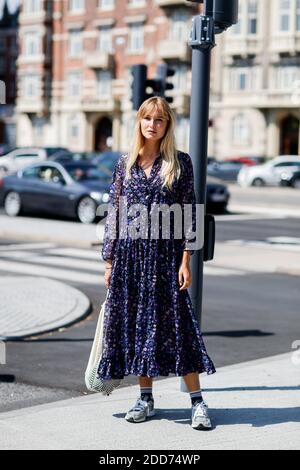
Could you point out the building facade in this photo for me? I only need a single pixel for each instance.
(74, 68)
(255, 97)
(8, 58)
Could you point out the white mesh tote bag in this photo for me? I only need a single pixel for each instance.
(92, 383)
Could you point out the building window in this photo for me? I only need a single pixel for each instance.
(105, 39)
(73, 128)
(31, 43)
(240, 130)
(183, 132)
(77, 6)
(106, 4)
(284, 15)
(31, 84)
(2, 43)
(298, 15)
(75, 44)
(136, 38)
(242, 78)
(32, 6)
(137, 3)
(13, 67)
(2, 65)
(13, 89)
(179, 80)
(252, 17)
(286, 77)
(38, 129)
(237, 28)
(179, 23)
(74, 84)
(104, 81)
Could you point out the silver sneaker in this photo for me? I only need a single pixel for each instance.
(200, 418)
(140, 411)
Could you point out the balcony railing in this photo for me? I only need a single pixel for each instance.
(93, 103)
(32, 105)
(172, 49)
(167, 3)
(285, 43)
(100, 60)
(242, 45)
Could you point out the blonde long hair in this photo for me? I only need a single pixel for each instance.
(170, 169)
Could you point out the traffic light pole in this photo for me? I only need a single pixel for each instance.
(201, 41)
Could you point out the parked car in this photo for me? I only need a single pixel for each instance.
(23, 156)
(5, 148)
(269, 173)
(217, 196)
(56, 151)
(247, 160)
(74, 157)
(19, 158)
(224, 170)
(108, 158)
(291, 178)
(72, 189)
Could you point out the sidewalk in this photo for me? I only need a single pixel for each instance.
(253, 405)
(34, 305)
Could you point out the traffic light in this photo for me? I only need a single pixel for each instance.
(141, 86)
(224, 12)
(144, 88)
(162, 74)
(138, 85)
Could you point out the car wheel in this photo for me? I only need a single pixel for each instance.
(296, 183)
(13, 204)
(86, 210)
(258, 182)
(217, 208)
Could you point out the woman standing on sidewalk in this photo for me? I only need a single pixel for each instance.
(150, 328)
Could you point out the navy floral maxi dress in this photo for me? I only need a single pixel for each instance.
(150, 328)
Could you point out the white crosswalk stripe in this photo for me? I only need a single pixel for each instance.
(26, 246)
(70, 264)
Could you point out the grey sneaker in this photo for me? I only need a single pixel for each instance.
(200, 418)
(140, 411)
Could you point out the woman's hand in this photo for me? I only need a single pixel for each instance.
(107, 275)
(184, 276)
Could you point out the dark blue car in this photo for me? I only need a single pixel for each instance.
(70, 189)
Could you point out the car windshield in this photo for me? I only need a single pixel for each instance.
(87, 173)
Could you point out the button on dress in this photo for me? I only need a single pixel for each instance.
(150, 327)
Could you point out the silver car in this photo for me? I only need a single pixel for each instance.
(269, 173)
(19, 158)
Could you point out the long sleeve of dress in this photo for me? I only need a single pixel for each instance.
(188, 197)
(111, 229)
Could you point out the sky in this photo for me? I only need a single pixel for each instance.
(12, 5)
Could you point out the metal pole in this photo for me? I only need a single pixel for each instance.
(201, 41)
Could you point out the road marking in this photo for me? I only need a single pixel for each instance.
(34, 268)
(265, 244)
(26, 246)
(77, 253)
(267, 211)
(215, 271)
(57, 261)
(225, 218)
(65, 275)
